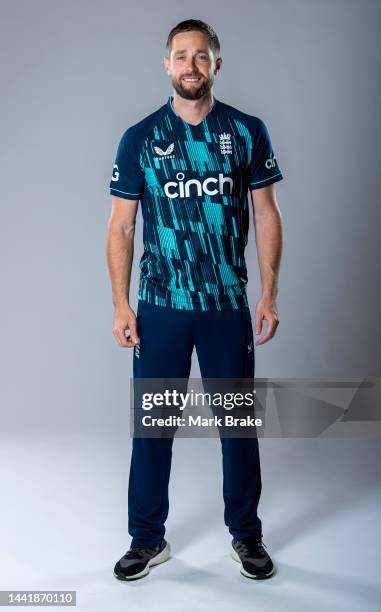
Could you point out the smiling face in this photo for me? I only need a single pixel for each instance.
(192, 65)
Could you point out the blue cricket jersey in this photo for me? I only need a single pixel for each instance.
(193, 182)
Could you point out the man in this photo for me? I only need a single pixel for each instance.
(191, 164)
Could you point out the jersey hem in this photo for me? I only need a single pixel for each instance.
(235, 299)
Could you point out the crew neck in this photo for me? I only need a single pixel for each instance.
(191, 125)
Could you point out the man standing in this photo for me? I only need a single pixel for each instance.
(191, 164)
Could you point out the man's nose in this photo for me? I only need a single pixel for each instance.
(191, 64)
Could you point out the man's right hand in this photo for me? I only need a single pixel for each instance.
(125, 319)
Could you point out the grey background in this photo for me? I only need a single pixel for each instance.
(74, 75)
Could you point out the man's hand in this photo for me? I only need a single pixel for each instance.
(266, 309)
(125, 319)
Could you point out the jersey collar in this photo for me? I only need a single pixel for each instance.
(174, 114)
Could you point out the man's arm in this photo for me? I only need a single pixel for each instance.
(120, 252)
(268, 236)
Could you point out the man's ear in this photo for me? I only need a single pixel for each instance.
(166, 64)
(218, 65)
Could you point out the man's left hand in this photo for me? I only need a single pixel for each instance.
(266, 309)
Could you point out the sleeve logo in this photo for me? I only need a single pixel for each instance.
(115, 174)
(271, 162)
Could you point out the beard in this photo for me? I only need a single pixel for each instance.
(192, 92)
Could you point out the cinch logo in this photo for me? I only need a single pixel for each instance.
(271, 162)
(183, 189)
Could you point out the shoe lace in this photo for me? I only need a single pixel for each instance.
(253, 545)
(138, 553)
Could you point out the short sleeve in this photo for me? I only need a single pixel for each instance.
(127, 179)
(264, 168)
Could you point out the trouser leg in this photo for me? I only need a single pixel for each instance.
(165, 352)
(224, 343)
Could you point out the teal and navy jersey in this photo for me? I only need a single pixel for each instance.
(193, 182)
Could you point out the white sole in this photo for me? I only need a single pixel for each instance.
(235, 556)
(160, 558)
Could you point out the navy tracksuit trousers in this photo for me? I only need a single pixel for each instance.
(224, 344)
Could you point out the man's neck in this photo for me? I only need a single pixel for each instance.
(192, 111)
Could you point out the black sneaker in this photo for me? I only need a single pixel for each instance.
(254, 560)
(137, 561)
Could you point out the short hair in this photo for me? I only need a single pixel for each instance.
(195, 24)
